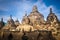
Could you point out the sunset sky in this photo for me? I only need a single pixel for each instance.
(17, 8)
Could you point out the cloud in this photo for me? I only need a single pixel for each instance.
(18, 7)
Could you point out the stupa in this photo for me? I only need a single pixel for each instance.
(35, 16)
(10, 24)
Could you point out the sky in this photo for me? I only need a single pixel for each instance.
(17, 8)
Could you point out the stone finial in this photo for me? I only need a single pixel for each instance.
(50, 10)
(25, 13)
(34, 8)
(10, 16)
(1, 19)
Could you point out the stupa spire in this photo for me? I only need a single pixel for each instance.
(34, 8)
(1, 19)
(50, 10)
(25, 14)
(10, 16)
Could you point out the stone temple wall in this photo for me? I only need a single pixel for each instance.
(32, 23)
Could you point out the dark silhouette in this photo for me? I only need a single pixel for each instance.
(39, 35)
(45, 35)
(3, 36)
(24, 37)
(10, 37)
(51, 36)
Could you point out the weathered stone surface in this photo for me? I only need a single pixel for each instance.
(25, 19)
(10, 24)
(36, 17)
(45, 35)
(25, 27)
(52, 18)
(17, 22)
